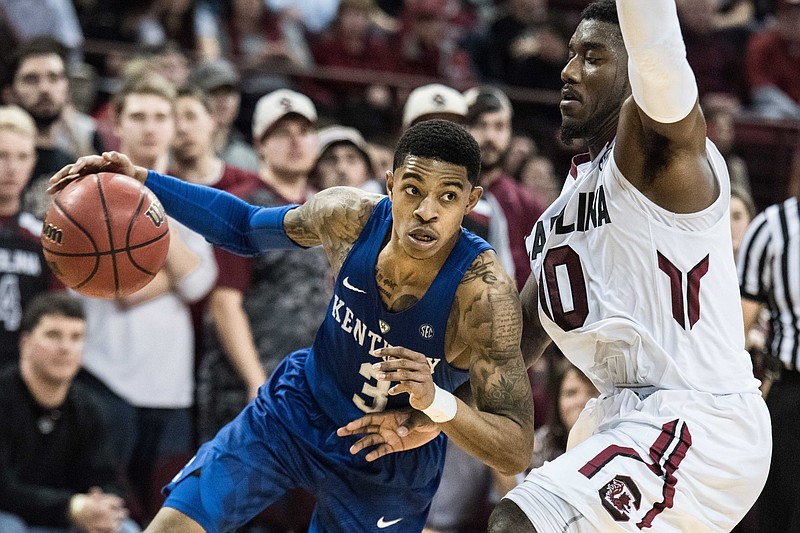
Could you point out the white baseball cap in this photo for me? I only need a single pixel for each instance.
(433, 99)
(276, 105)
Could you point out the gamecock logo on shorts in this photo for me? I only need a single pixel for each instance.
(620, 496)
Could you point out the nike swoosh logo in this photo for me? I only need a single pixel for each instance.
(386, 523)
(346, 283)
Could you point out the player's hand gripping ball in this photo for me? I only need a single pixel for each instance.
(105, 235)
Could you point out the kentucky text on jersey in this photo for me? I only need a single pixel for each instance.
(20, 262)
(360, 331)
(357, 328)
(592, 213)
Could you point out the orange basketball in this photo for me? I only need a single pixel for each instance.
(105, 235)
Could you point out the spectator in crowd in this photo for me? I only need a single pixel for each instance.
(743, 210)
(43, 18)
(538, 176)
(353, 41)
(315, 15)
(344, 160)
(253, 297)
(434, 100)
(520, 149)
(572, 389)
(23, 272)
(56, 469)
(768, 277)
(722, 132)
(525, 47)
(773, 64)
(188, 23)
(38, 83)
(488, 119)
(714, 54)
(259, 36)
(221, 81)
(140, 348)
(427, 46)
(193, 155)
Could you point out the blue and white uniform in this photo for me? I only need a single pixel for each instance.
(287, 438)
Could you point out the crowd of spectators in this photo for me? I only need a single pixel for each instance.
(274, 100)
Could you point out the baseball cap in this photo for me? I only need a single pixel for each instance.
(433, 99)
(212, 75)
(276, 105)
(339, 134)
(484, 99)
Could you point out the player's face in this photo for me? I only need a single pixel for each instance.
(17, 159)
(290, 147)
(54, 348)
(595, 80)
(194, 130)
(492, 130)
(40, 87)
(342, 164)
(429, 201)
(146, 127)
(572, 397)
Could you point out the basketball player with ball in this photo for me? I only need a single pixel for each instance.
(420, 308)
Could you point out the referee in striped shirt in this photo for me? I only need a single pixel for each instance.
(769, 274)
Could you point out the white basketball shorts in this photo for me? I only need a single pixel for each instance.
(675, 461)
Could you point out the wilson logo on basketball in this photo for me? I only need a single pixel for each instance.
(52, 234)
(620, 496)
(156, 214)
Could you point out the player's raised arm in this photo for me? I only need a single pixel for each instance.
(661, 134)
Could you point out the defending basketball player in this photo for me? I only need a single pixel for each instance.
(420, 306)
(634, 280)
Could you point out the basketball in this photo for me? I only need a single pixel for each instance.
(105, 235)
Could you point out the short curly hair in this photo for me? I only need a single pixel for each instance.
(602, 10)
(442, 140)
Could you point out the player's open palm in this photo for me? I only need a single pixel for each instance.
(92, 164)
(391, 431)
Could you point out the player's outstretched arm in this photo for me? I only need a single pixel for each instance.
(661, 134)
(331, 216)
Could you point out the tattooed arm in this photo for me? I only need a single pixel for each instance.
(333, 218)
(487, 330)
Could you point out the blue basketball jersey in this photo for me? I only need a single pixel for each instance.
(339, 368)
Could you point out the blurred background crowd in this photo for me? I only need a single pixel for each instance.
(274, 100)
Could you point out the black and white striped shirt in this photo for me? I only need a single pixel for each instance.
(769, 272)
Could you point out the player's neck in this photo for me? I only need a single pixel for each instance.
(406, 270)
(604, 135)
(46, 393)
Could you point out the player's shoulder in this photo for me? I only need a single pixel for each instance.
(487, 277)
(346, 202)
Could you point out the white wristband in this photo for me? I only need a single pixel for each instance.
(443, 407)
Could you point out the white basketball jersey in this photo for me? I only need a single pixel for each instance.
(635, 295)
